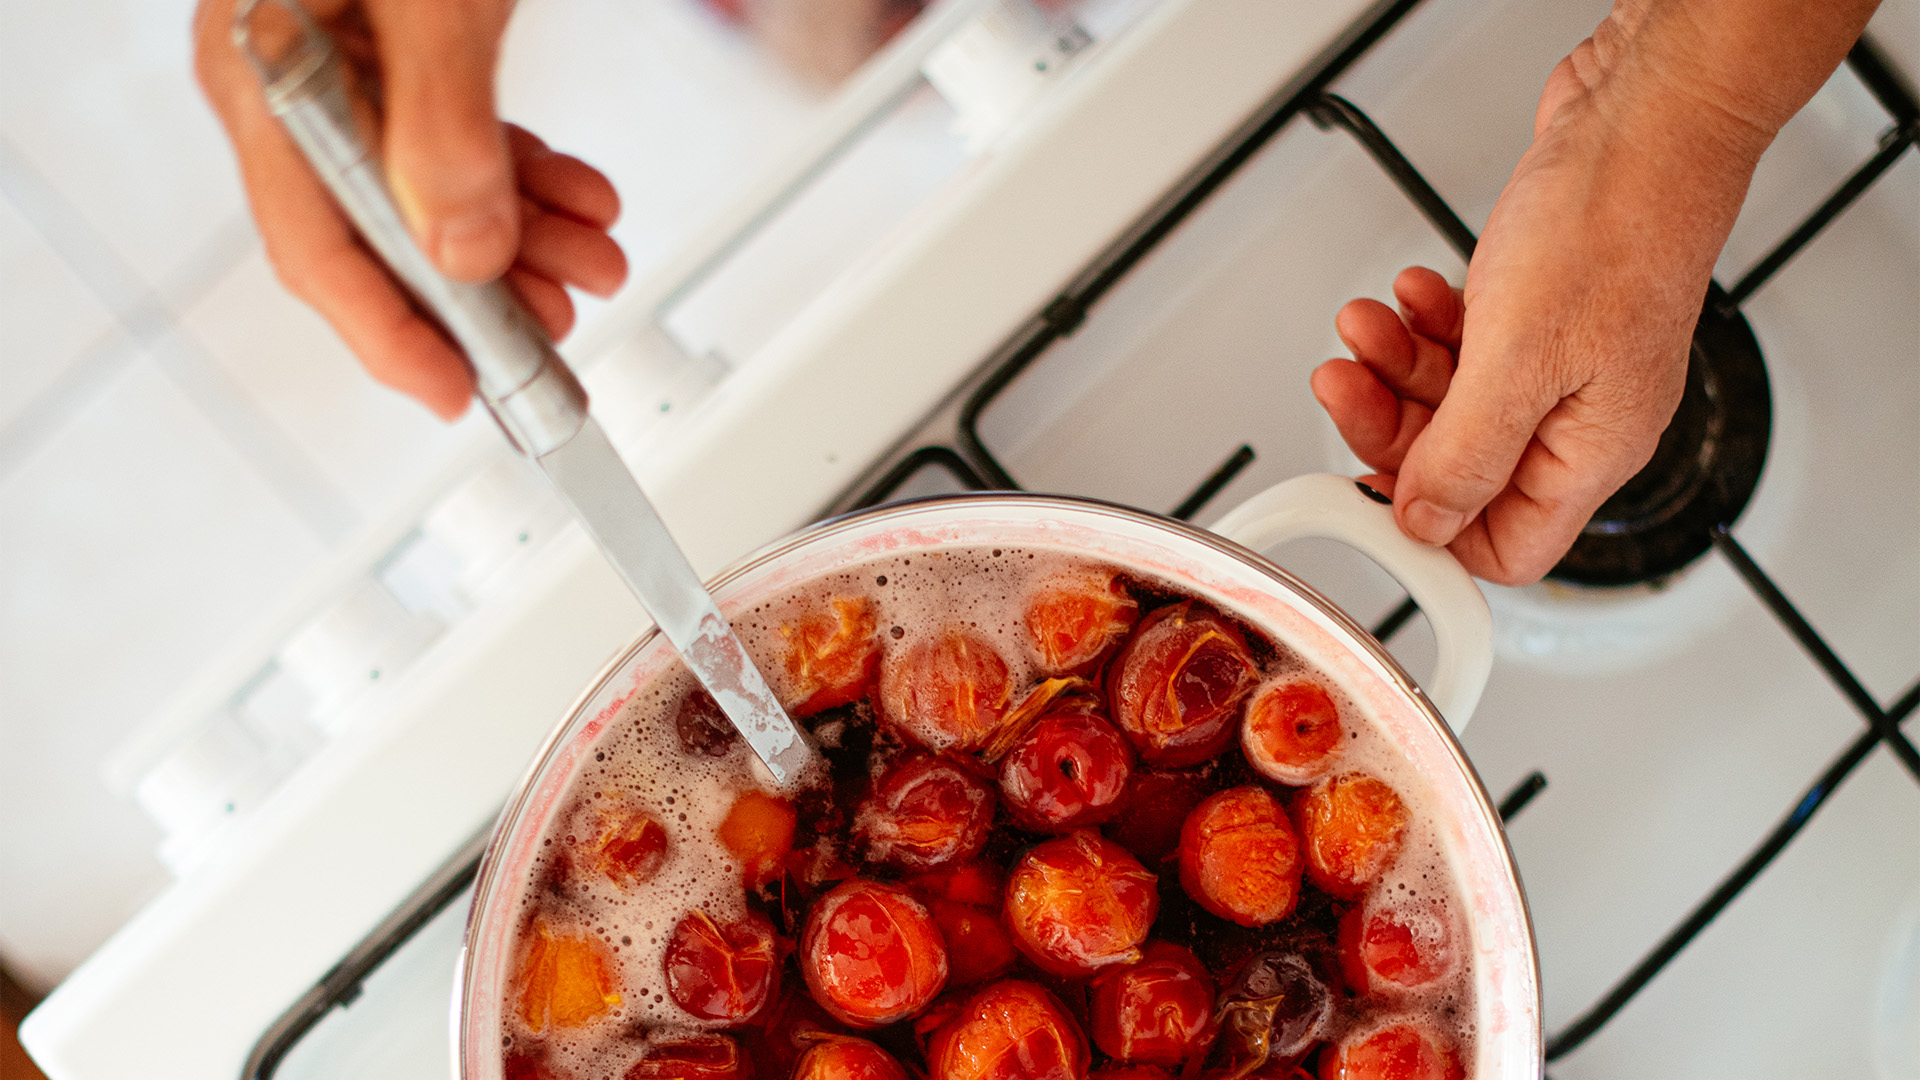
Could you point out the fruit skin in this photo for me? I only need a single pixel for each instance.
(1157, 1011)
(978, 945)
(1010, 1030)
(1080, 903)
(843, 1057)
(701, 727)
(1131, 1071)
(1068, 771)
(872, 954)
(629, 846)
(1407, 1050)
(1292, 731)
(701, 1057)
(1073, 618)
(1272, 1012)
(758, 830)
(831, 656)
(1392, 948)
(1177, 685)
(1153, 810)
(1351, 829)
(946, 691)
(1239, 857)
(721, 973)
(925, 812)
(564, 978)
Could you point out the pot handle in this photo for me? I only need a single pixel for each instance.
(1326, 506)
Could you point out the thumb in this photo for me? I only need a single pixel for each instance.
(1467, 452)
(446, 150)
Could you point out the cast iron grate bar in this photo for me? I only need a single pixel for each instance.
(1523, 793)
(1583, 1028)
(1870, 66)
(1065, 313)
(1817, 647)
(1332, 110)
(1220, 477)
(1892, 145)
(927, 457)
(1396, 619)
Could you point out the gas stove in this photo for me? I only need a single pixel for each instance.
(1110, 278)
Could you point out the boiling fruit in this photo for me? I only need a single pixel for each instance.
(1401, 1051)
(1271, 1013)
(1074, 617)
(872, 954)
(980, 884)
(701, 727)
(1351, 828)
(628, 845)
(1153, 809)
(1069, 770)
(1079, 903)
(702, 1057)
(565, 979)
(978, 946)
(1292, 733)
(721, 973)
(1131, 1071)
(1011, 1030)
(842, 1057)
(948, 690)
(1402, 945)
(1155, 1011)
(831, 655)
(1239, 857)
(925, 812)
(1177, 685)
(758, 831)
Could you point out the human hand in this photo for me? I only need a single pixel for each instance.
(1504, 415)
(483, 198)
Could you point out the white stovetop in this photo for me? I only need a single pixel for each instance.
(235, 351)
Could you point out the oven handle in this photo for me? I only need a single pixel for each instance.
(1330, 507)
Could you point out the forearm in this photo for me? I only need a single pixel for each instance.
(1683, 97)
(1756, 62)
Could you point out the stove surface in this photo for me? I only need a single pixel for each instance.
(1676, 727)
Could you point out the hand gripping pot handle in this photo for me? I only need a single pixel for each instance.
(1330, 507)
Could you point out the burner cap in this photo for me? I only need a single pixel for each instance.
(1701, 475)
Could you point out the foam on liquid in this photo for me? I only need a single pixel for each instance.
(639, 757)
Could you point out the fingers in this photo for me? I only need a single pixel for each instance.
(313, 248)
(1468, 451)
(546, 301)
(1431, 308)
(1378, 425)
(562, 183)
(559, 247)
(445, 150)
(1402, 365)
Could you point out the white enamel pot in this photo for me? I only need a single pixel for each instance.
(1223, 567)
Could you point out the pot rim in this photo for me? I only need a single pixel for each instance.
(485, 879)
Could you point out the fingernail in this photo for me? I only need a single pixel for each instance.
(472, 247)
(1430, 524)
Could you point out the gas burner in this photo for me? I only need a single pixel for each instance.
(1701, 475)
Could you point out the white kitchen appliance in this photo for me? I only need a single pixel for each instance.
(1112, 263)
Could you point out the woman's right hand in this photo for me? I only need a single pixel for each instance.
(484, 198)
